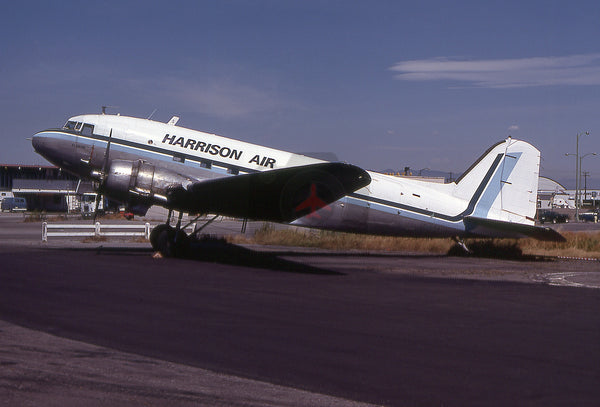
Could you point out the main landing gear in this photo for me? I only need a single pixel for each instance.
(173, 241)
(460, 247)
(490, 248)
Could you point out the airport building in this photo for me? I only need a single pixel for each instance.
(45, 187)
(552, 195)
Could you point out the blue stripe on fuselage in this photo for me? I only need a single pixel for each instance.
(355, 198)
(430, 214)
(146, 151)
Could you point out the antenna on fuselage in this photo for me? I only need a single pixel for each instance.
(108, 107)
(152, 114)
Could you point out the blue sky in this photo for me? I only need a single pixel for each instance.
(383, 84)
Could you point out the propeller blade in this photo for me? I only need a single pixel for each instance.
(96, 205)
(102, 182)
(106, 154)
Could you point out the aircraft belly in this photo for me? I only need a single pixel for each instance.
(386, 223)
(347, 216)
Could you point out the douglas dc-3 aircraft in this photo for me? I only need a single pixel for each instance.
(143, 163)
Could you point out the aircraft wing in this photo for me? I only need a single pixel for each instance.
(276, 195)
(497, 228)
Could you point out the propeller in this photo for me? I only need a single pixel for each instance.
(102, 181)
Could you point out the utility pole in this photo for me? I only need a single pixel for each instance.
(581, 172)
(577, 174)
(585, 175)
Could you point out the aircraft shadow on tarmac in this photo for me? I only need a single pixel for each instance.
(219, 251)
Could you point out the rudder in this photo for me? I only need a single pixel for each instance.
(502, 184)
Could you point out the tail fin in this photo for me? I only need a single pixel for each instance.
(502, 184)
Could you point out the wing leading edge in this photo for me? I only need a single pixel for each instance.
(277, 195)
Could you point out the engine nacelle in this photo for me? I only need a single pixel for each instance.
(140, 181)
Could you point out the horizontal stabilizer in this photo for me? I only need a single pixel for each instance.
(280, 195)
(498, 228)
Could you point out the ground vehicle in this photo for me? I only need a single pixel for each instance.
(88, 204)
(5, 194)
(126, 213)
(589, 217)
(553, 217)
(13, 204)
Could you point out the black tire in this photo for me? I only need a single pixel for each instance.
(168, 242)
(156, 233)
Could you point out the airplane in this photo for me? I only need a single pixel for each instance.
(142, 162)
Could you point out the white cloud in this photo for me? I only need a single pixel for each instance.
(505, 73)
(514, 127)
(221, 98)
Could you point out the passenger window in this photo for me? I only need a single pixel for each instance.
(87, 130)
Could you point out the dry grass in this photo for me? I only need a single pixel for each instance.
(94, 239)
(341, 241)
(110, 216)
(42, 217)
(577, 244)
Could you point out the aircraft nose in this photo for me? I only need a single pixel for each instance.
(39, 141)
(48, 146)
(35, 141)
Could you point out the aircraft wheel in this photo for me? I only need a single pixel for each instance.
(156, 233)
(165, 241)
(169, 242)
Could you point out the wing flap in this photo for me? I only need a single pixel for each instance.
(276, 195)
(497, 228)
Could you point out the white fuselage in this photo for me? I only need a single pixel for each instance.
(389, 205)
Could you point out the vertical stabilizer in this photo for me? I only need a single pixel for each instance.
(502, 183)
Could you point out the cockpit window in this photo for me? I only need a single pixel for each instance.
(78, 126)
(70, 125)
(88, 129)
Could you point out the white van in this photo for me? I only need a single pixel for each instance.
(5, 194)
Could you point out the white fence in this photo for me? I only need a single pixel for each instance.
(95, 230)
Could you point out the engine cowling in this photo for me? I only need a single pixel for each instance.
(140, 181)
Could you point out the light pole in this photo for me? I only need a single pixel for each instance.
(576, 169)
(581, 170)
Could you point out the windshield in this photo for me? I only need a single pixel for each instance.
(69, 125)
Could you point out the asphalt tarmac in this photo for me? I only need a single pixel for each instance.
(107, 324)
